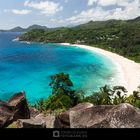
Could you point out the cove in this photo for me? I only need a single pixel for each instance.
(28, 67)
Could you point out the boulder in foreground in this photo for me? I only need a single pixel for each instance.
(104, 116)
(15, 108)
(64, 118)
(40, 121)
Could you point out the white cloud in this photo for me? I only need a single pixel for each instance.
(110, 2)
(46, 7)
(124, 2)
(131, 9)
(91, 2)
(91, 14)
(57, 20)
(18, 12)
(107, 2)
(21, 12)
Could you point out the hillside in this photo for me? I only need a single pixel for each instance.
(122, 37)
(36, 27)
(20, 29)
(16, 29)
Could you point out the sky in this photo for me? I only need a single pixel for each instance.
(56, 13)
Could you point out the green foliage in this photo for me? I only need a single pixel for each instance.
(103, 97)
(119, 95)
(55, 102)
(114, 96)
(60, 83)
(35, 35)
(40, 105)
(135, 98)
(108, 96)
(122, 37)
(105, 94)
(63, 96)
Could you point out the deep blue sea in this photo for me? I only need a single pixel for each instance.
(28, 67)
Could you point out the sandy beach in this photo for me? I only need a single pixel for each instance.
(128, 70)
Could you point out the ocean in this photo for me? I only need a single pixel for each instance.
(28, 67)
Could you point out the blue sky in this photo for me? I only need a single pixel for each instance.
(54, 13)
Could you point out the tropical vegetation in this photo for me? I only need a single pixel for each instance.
(119, 36)
(64, 96)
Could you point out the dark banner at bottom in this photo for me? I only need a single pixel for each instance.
(69, 133)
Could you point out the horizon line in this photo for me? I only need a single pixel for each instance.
(72, 25)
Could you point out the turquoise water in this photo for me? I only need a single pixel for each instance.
(28, 67)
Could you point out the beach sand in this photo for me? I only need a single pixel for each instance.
(128, 70)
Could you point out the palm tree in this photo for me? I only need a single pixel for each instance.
(119, 93)
(136, 95)
(105, 95)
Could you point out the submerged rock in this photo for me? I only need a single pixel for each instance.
(15, 108)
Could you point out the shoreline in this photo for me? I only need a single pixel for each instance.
(128, 70)
(17, 40)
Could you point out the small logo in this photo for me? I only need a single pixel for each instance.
(56, 134)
